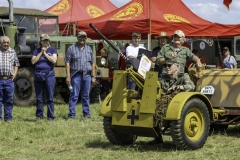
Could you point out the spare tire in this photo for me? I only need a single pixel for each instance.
(24, 91)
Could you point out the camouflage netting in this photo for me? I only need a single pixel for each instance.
(161, 109)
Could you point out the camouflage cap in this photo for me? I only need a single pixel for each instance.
(172, 61)
(44, 37)
(226, 48)
(179, 33)
(82, 34)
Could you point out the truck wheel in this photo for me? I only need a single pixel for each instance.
(95, 92)
(114, 137)
(65, 96)
(216, 129)
(192, 129)
(24, 91)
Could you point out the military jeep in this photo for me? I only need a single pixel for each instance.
(187, 116)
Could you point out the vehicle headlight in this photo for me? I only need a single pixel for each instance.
(17, 49)
(103, 61)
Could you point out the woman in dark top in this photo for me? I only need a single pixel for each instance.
(44, 59)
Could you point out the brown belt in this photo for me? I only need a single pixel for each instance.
(5, 77)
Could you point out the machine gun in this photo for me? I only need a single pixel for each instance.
(134, 63)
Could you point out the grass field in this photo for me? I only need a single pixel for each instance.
(28, 139)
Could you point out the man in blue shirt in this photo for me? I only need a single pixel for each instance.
(80, 68)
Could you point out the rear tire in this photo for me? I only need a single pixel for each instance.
(192, 129)
(114, 137)
(65, 96)
(24, 91)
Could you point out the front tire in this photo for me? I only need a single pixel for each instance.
(24, 91)
(192, 129)
(114, 137)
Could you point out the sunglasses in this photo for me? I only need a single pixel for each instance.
(136, 37)
(82, 38)
(168, 65)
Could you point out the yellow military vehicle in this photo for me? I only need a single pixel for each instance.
(24, 26)
(188, 116)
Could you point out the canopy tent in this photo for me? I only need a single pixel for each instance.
(153, 16)
(71, 11)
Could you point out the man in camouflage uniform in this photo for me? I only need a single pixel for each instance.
(176, 50)
(172, 82)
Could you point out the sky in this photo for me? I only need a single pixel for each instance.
(211, 10)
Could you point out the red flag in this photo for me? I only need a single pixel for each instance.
(227, 3)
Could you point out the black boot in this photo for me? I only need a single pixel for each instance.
(157, 140)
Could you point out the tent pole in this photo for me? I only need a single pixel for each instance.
(74, 29)
(149, 42)
(150, 25)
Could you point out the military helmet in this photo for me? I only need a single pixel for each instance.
(172, 61)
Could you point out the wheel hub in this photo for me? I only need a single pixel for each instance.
(23, 88)
(192, 124)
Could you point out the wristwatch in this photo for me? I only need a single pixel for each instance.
(94, 76)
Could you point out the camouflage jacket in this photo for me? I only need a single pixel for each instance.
(181, 79)
(183, 55)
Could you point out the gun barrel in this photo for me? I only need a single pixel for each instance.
(112, 45)
(220, 55)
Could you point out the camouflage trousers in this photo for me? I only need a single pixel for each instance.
(160, 113)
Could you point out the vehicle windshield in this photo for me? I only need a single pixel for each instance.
(47, 25)
(28, 22)
(44, 25)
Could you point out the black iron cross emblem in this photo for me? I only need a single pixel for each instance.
(132, 117)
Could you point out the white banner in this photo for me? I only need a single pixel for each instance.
(144, 65)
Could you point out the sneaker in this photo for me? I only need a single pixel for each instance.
(157, 140)
(50, 119)
(8, 121)
(87, 117)
(71, 118)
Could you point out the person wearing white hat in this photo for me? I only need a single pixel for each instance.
(176, 50)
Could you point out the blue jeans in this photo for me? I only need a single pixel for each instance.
(6, 98)
(131, 84)
(81, 85)
(40, 86)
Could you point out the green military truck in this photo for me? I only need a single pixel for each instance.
(23, 27)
